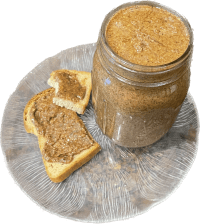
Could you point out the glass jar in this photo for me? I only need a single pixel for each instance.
(136, 105)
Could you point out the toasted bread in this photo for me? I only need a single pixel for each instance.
(56, 171)
(84, 79)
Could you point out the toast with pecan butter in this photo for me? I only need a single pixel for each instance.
(64, 141)
(72, 89)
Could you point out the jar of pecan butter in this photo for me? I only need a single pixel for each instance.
(141, 72)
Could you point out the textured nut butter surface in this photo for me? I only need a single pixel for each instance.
(147, 35)
(64, 131)
(69, 86)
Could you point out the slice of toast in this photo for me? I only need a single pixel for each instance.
(84, 79)
(56, 171)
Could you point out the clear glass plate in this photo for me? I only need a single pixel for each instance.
(118, 183)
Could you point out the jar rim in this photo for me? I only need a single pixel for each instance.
(150, 70)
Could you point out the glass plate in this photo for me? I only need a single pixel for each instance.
(118, 183)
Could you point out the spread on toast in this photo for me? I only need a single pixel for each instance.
(72, 89)
(64, 131)
(69, 86)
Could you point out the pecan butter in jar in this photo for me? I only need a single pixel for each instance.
(141, 72)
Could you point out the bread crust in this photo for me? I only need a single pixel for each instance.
(57, 172)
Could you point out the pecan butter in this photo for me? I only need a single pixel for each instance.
(141, 72)
(147, 35)
(69, 86)
(65, 133)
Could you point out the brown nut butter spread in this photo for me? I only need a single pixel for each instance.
(137, 92)
(69, 86)
(147, 35)
(63, 130)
